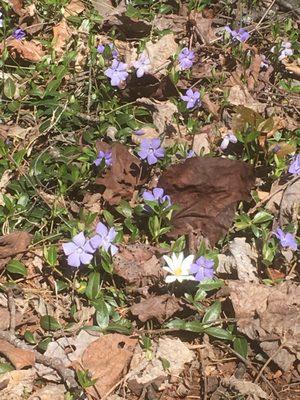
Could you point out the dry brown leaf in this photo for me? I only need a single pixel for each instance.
(14, 243)
(61, 36)
(173, 22)
(203, 27)
(17, 6)
(211, 107)
(207, 198)
(49, 392)
(239, 96)
(246, 388)
(271, 315)
(20, 358)
(148, 133)
(158, 307)
(159, 54)
(27, 50)
(107, 360)
(293, 67)
(162, 113)
(75, 7)
(138, 265)
(201, 140)
(125, 175)
(15, 383)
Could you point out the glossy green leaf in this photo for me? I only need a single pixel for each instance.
(9, 88)
(240, 345)
(262, 216)
(16, 267)
(213, 313)
(49, 323)
(218, 333)
(93, 286)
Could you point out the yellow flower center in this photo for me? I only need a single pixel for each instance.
(178, 271)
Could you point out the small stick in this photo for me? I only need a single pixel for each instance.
(12, 309)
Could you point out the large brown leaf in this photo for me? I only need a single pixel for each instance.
(27, 50)
(207, 190)
(159, 307)
(20, 358)
(107, 360)
(124, 176)
(14, 243)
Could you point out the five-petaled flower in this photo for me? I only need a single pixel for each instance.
(229, 138)
(151, 150)
(104, 238)
(239, 34)
(104, 155)
(117, 72)
(285, 51)
(142, 65)
(19, 34)
(79, 250)
(192, 98)
(186, 58)
(294, 167)
(203, 268)
(287, 240)
(178, 267)
(100, 48)
(158, 195)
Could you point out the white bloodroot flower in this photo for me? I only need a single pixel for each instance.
(178, 267)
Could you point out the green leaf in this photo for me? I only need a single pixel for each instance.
(240, 345)
(211, 284)
(43, 344)
(262, 216)
(5, 367)
(9, 88)
(213, 312)
(165, 363)
(49, 323)
(194, 326)
(175, 324)
(124, 209)
(218, 333)
(50, 255)
(102, 314)
(179, 245)
(123, 326)
(16, 267)
(28, 336)
(93, 287)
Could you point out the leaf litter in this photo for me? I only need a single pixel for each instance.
(225, 182)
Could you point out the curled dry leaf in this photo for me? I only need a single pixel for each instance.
(162, 113)
(20, 358)
(107, 359)
(125, 175)
(27, 50)
(75, 7)
(240, 96)
(14, 243)
(207, 191)
(242, 259)
(203, 27)
(158, 307)
(138, 265)
(159, 54)
(61, 36)
(271, 315)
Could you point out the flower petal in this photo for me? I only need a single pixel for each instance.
(86, 258)
(101, 229)
(69, 248)
(74, 260)
(79, 239)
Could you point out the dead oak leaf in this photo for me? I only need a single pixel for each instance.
(75, 7)
(175, 23)
(27, 50)
(107, 359)
(159, 54)
(125, 175)
(138, 265)
(14, 243)
(207, 191)
(203, 27)
(61, 36)
(20, 358)
(240, 96)
(162, 113)
(158, 307)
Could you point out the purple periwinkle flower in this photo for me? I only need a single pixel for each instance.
(79, 251)
(104, 155)
(114, 51)
(294, 167)
(158, 196)
(229, 138)
(151, 150)
(104, 238)
(203, 268)
(142, 65)
(285, 51)
(139, 132)
(192, 98)
(117, 72)
(19, 34)
(239, 34)
(190, 154)
(100, 48)
(287, 240)
(186, 58)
